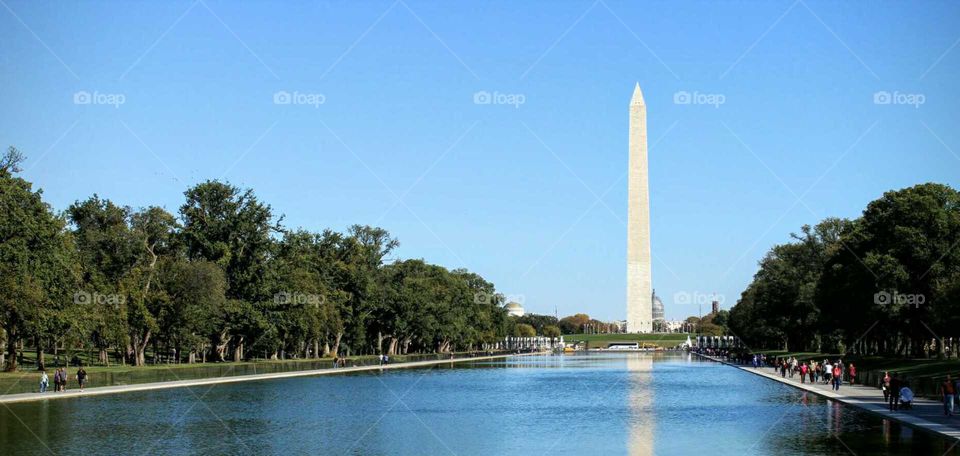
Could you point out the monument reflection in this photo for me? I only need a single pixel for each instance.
(641, 426)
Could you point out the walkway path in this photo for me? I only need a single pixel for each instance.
(24, 397)
(926, 414)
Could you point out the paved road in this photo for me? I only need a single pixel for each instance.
(24, 397)
(926, 414)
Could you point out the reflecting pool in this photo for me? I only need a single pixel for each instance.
(611, 403)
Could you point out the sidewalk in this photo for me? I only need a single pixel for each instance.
(926, 414)
(25, 397)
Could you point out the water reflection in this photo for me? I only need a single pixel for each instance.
(641, 431)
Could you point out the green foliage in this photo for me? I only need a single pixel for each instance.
(524, 330)
(539, 322)
(551, 331)
(230, 283)
(37, 262)
(886, 282)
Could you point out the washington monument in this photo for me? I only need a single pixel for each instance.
(639, 282)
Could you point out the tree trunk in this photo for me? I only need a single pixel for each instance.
(40, 362)
(11, 351)
(336, 345)
(139, 348)
(220, 346)
(238, 349)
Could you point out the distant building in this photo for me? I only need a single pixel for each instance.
(515, 309)
(716, 306)
(673, 326)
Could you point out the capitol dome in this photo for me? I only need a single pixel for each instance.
(514, 309)
(657, 307)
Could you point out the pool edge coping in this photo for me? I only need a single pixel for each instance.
(117, 389)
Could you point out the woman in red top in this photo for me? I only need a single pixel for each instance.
(837, 376)
(853, 374)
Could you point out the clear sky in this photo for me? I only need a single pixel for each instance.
(787, 123)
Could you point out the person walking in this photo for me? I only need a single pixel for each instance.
(956, 392)
(837, 376)
(44, 381)
(82, 378)
(894, 392)
(946, 392)
(803, 373)
(885, 386)
(827, 372)
(852, 370)
(56, 380)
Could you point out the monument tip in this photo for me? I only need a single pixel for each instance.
(637, 98)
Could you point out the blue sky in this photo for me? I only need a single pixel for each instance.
(788, 123)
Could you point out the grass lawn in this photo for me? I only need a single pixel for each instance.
(27, 379)
(603, 340)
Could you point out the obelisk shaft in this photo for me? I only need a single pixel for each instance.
(639, 282)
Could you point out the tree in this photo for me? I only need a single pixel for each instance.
(222, 284)
(899, 248)
(524, 330)
(551, 331)
(189, 294)
(574, 324)
(33, 259)
(885, 283)
(232, 228)
(539, 322)
(10, 161)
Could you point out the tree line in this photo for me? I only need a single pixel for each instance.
(885, 283)
(220, 280)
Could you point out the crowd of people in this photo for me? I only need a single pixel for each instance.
(826, 372)
(897, 393)
(61, 378)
